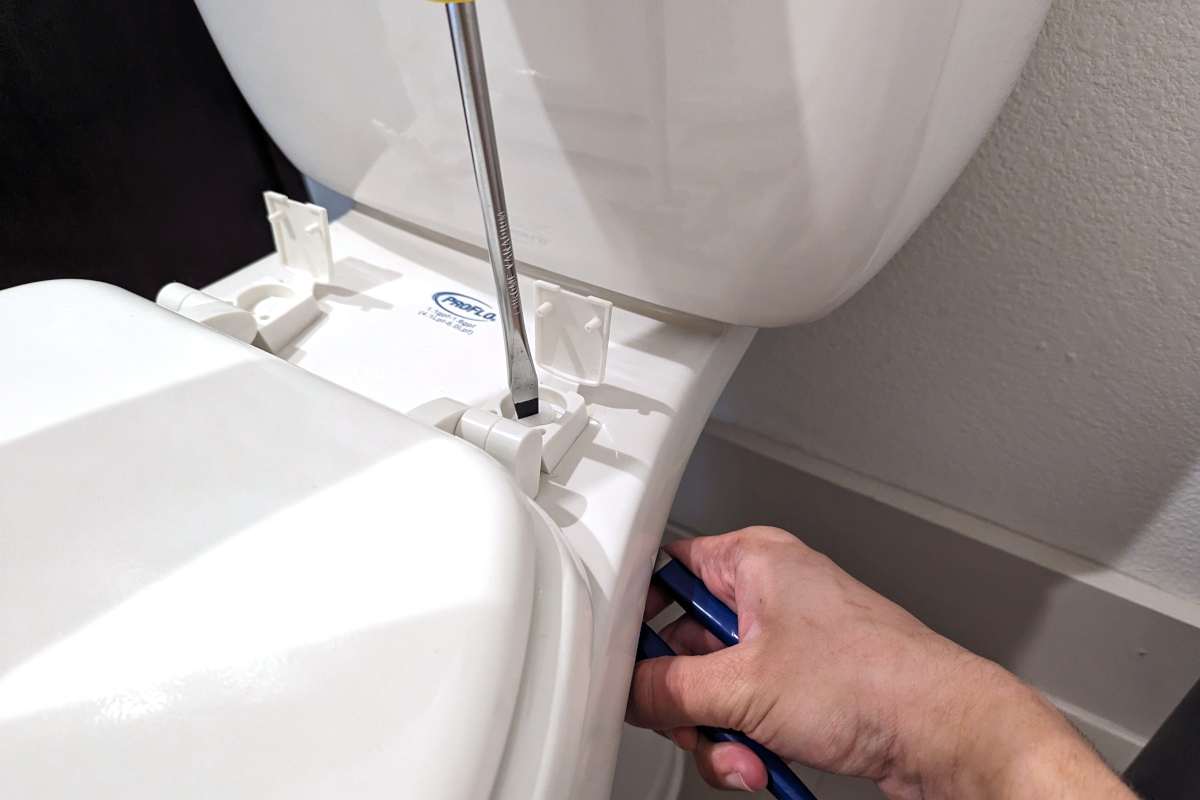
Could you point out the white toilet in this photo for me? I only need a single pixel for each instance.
(354, 575)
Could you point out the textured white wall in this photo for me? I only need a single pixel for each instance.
(1031, 355)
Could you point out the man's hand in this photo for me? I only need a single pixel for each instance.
(832, 675)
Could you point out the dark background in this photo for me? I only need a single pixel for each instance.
(127, 154)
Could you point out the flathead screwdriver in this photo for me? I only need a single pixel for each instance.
(477, 108)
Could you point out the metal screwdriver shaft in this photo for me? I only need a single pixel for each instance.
(477, 107)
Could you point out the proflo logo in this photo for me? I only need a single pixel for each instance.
(463, 306)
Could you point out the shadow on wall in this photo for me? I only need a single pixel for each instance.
(1030, 355)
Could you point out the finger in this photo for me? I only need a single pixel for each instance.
(727, 765)
(688, 690)
(714, 560)
(688, 637)
(656, 601)
(718, 560)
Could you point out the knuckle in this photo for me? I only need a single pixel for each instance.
(767, 544)
(768, 535)
(759, 554)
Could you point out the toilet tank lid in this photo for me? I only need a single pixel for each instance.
(225, 576)
(751, 168)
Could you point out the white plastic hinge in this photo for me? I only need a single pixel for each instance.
(517, 447)
(208, 310)
(562, 416)
(301, 232)
(282, 303)
(570, 334)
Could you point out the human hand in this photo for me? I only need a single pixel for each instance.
(833, 675)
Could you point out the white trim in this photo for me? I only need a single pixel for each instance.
(1116, 745)
(981, 530)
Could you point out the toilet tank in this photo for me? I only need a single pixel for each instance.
(749, 161)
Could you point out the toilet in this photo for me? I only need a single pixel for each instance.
(283, 537)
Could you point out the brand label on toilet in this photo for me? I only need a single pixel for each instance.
(465, 307)
(458, 311)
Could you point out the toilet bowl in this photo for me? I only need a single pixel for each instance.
(280, 537)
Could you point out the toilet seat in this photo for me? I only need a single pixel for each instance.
(260, 583)
(168, 426)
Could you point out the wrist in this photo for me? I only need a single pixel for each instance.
(990, 736)
(964, 730)
(1015, 748)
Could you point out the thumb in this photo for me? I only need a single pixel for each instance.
(671, 692)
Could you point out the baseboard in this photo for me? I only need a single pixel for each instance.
(1116, 654)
